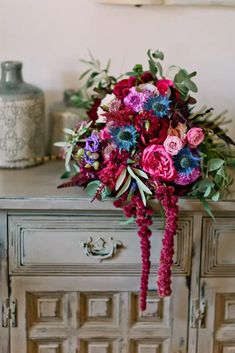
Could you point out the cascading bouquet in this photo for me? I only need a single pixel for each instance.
(144, 142)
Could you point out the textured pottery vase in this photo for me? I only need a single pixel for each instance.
(22, 119)
(63, 115)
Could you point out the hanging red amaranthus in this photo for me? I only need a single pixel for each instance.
(143, 218)
(165, 194)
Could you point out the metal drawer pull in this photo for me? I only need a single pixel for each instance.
(101, 249)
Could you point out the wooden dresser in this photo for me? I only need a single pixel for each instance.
(69, 274)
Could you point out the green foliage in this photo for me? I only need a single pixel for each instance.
(184, 83)
(97, 84)
(93, 187)
(155, 66)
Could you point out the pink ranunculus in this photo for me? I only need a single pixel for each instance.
(173, 145)
(104, 134)
(158, 163)
(195, 136)
(163, 85)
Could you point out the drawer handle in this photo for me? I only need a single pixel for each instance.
(101, 249)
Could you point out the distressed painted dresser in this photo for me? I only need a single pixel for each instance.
(69, 274)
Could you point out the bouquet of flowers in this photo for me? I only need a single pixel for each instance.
(144, 142)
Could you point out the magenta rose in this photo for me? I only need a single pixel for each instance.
(158, 163)
(173, 145)
(163, 85)
(195, 136)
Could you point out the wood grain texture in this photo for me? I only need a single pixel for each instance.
(4, 293)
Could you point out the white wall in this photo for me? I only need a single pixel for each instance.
(49, 36)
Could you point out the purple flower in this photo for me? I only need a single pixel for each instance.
(135, 100)
(92, 143)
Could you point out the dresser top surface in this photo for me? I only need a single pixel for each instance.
(36, 187)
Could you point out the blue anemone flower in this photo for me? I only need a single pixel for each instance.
(186, 161)
(124, 137)
(159, 105)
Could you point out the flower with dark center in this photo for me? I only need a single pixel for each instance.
(158, 105)
(124, 137)
(187, 165)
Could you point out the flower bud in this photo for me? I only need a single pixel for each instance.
(96, 165)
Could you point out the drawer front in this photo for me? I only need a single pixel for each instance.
(88, 244)
(218, 247)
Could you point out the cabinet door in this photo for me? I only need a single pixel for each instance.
(218, 286)
(218, 333)
(86, 314)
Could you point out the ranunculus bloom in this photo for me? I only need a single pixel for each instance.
(121, 89)
(163, 85)
(195, 136)
(158, 163)
(104, 134)
(173, 145)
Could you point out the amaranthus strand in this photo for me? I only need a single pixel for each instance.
(169, 202)
(143, 217)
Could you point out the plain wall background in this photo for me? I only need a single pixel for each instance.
(49, 36)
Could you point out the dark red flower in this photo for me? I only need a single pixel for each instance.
(152, 130)
(121, 89)
(146, 77)
(92, 113)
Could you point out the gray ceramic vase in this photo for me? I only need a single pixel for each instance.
(22, 119)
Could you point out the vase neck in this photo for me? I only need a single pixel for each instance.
(11, 72)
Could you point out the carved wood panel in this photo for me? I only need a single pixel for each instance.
(93, 315)
(218, 333)
(218, 247)
(34, 237)
(102, 324)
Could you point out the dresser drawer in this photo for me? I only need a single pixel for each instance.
(84, 243)
(218, 247)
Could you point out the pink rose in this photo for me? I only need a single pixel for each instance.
(163, 85)
(195, 136)
(158, 163)
(173, 145)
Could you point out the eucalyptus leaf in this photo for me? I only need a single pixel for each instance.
(65, 175)
(127, 221)
(214, 164)
(153, 69)
(159, 66)
(215, 197)
(207, 192)
(158, 55)
(92, 188)
(207, 208)
(191, 86)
